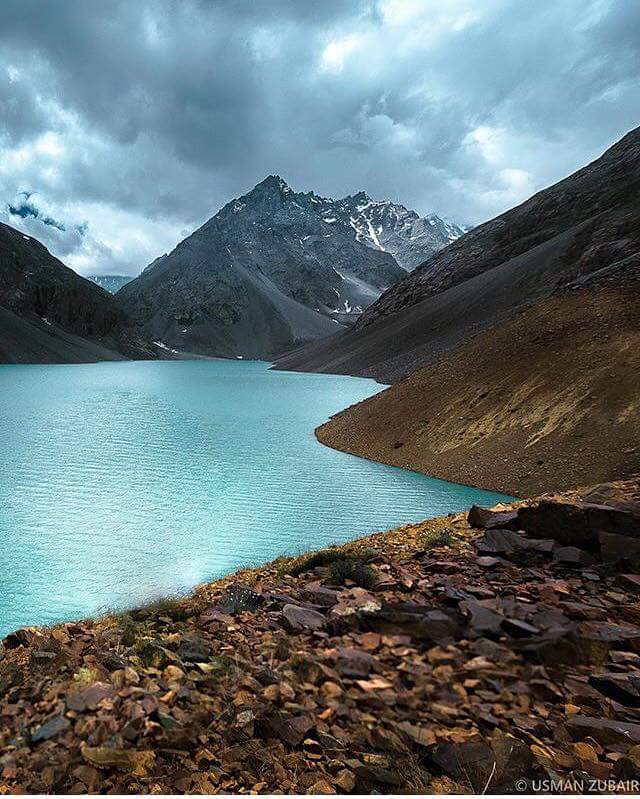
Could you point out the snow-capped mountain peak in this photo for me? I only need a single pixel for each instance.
(390, 227)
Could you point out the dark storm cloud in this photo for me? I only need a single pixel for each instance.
(25, 208)
(145, 117)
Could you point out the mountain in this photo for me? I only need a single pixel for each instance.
(49, 314)
(519, 345)
(545, 401)
(111, 283)
(391, 227)
(270, 270)
(584, 223)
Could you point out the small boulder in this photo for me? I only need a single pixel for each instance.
(499, 542)
(617, 547)
(22, 637)
(50, 728)
(90, 697)
(487, 519)
(489, 562)
(519, 629)
(573, 556)
(483, 620)
(355, 663)
(493, 765)
(296, 619)
(421, 622)
(505, 542)
(239, 598)
(577, 523)
(605, 731)
(193, 649)
(290, 729)
(623, 688)
(320, 595)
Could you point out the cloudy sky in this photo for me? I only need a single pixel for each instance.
(124, 125)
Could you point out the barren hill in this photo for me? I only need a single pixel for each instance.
(525, 335)
(548, 400)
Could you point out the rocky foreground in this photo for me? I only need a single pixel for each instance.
(480, 654)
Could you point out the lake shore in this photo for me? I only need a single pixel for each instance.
(167, 470)
(437, 657)
(546, 402)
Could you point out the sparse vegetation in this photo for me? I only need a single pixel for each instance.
(306, 563)
(84, 677)
(240, 597)
(434, 539)
(172, 607)
(324, 557)
(352, 569)
(128, 628)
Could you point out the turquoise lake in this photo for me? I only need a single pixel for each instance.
(123, 481)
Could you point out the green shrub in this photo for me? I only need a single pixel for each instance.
(84, 677)
(367, 554)
(240, 597)
(129, 630)
(437, 538)
(307, 563)
(172, 607)
(324, 557)
(352, 569)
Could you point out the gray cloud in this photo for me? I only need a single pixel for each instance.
(25, 208)
(144, 118)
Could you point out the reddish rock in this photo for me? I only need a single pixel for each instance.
(624, 688)
(604, 731)
(487, 519)
(616, 547)
(423, 623)
(577, 523)
(629, 582)
(297, 619)
(90, 697)
(573, 556)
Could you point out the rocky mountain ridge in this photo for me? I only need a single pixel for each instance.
(112, 283)
(267, 271)
(594, 205)
(562, 235)
(390, 227)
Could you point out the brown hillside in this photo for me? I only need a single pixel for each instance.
(549, 400)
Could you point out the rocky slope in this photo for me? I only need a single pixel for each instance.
(547, 400)
(265, 272)
(112, 283)
(581, 224)
(391, 227)
(277, 267)
(49, 314)
(585, 223)
(459, 655)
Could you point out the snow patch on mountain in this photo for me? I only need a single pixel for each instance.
(390, 227)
